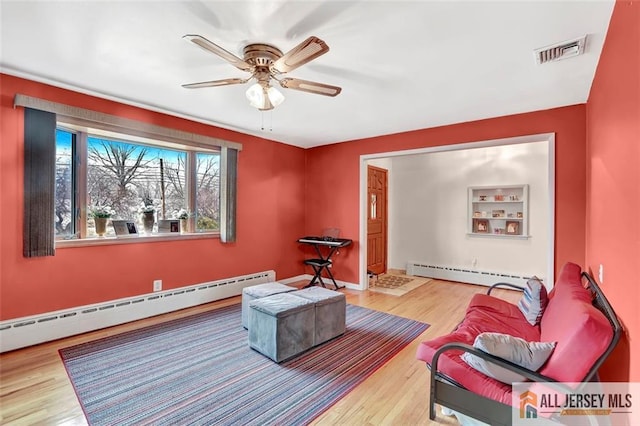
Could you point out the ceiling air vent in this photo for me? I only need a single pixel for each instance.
(564, 50)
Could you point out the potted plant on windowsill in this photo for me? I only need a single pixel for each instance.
(148, 217)
(100, 215)
(183, 215)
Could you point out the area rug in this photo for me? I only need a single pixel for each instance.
(392, 281)
(396, 285)
(200, 370)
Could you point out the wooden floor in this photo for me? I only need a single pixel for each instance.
(35, 389)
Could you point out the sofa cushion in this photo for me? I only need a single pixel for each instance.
(570, 280)
(490, 314)
(533, 301)
(571, 320)
(575, 325)
(531, 355)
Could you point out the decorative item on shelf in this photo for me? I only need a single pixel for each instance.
(498, 231)
(519, 215)
(148, 218)
(125, 228)
(100, 215)
(498, 197)
(497, 213)
(477, 214)
(513, 227)
(183, 215)
(514, 198)
(481, 226)
(483, 198)
(168, 226)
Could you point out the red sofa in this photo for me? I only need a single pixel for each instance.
(578, 318)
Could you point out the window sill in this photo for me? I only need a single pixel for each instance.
(133, 240)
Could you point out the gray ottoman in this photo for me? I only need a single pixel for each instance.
(281, 326)
(257, 292)
(331, 312)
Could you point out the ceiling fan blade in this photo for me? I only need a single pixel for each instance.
(209, 46)
(306, 51)
(215, 83)
(310, 86)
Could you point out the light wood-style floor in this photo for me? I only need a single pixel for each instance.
(35, 388)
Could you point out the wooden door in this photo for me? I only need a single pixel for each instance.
(376, 220)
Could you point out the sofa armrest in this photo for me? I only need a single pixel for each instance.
(529, 374)
(460, 405)
(496, 285)
(475, 405)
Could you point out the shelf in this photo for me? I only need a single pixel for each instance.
(498, 218)
(497, 202)
(512, 200)
(489, 235)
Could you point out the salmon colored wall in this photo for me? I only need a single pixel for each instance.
(613, 182)
(270, 217)
(332, 176)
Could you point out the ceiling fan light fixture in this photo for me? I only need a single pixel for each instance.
(275, 96)
(264, 97)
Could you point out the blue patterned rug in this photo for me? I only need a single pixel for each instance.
(200, 370)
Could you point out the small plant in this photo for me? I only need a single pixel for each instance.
(148, 208)
(181, 214)
(101, 211)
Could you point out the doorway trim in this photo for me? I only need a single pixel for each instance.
(542, 137)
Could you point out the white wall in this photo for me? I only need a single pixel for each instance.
(428, 208)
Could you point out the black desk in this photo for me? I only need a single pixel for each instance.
(323, 262)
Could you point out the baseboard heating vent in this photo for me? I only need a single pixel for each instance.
(465, 275)
(27, 331)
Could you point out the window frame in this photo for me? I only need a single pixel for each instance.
(80, 161)
(67, 115)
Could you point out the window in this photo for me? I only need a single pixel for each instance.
(64, 200)
(208, 192)
(76, 158)
(127, 174)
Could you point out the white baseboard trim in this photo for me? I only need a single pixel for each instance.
(26, 331)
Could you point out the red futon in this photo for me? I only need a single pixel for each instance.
(578, 319)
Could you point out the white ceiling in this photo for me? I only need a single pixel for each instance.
(402, 65)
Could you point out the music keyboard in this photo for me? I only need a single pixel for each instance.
(325, 241)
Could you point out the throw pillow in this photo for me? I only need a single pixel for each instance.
(533, 301)
(531, 355)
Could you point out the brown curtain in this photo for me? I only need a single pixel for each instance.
(39, 183)
(229, 159)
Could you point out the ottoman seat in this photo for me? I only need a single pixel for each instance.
(331, 311)
(257, 292)
(281, 326)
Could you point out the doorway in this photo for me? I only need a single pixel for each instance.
(545, 229)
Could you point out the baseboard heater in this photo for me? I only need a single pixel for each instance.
(27, 331)
(465, 275)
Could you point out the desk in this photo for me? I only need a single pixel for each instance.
(323, 262)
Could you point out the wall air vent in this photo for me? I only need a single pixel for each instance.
(564, 50)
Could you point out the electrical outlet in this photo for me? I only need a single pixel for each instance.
(157, 285)
(601, 273)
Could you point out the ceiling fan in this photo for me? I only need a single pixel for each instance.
(265, 63)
